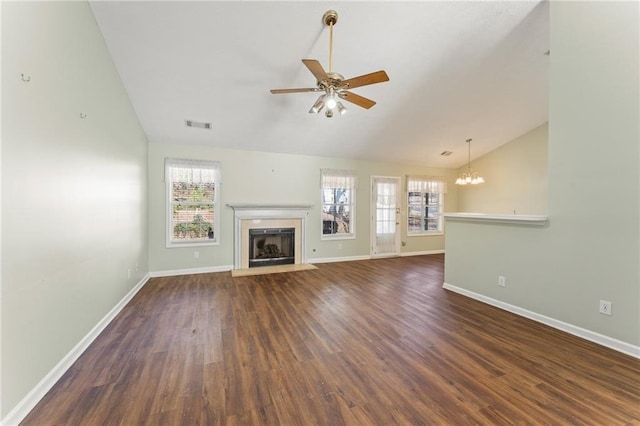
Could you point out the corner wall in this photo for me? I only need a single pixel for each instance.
(74, 189)
(590, 249)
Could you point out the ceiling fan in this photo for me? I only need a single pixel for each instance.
(334, 85)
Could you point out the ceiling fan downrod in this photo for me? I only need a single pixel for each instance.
(330, 18)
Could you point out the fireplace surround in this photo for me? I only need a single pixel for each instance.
(249, 217)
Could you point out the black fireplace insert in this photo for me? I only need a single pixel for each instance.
(271, 246)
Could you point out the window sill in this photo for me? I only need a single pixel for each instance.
(426, 234)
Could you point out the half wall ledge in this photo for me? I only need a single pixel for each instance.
(538, 220)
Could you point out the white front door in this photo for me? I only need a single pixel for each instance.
(385, 219)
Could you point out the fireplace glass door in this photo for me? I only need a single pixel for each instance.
(271, 246)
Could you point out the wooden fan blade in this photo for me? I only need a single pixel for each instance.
(280, 91)
(361, 101)
(316, 69)
(364, 80)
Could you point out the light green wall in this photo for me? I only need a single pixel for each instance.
(73, 190)
(515, 178)
(258, 177)
(590, 248)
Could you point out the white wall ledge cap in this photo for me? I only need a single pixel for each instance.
(529, 219)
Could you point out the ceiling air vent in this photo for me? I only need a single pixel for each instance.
(197, 124)
(446, 153)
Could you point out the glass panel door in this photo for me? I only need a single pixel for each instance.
(386, 216)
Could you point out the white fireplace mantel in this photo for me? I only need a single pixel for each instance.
(270, 211)
(267, 215)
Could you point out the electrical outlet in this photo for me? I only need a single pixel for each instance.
(196, 255)
(605, 307)
(339, 246)
(502, 281)
(128, 273)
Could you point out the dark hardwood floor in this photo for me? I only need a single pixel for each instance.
(375, 342)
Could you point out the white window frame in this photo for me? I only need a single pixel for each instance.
(213, 166)
(345, 179)
(426, 185)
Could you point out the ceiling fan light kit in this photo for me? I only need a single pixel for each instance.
(333, 85)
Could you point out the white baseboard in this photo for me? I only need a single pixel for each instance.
(338, 259)
(190, 271)
(367, 257)
(20, 411)
(421, 253)
(592, 336)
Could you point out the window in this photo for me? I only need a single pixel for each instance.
(192, 194)
(425, 205)
(338, 203)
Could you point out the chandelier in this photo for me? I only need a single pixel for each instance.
(469, 177)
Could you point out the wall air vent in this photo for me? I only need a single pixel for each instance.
(446, 153)
(197, 124)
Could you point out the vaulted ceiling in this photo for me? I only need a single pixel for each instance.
(457, 70)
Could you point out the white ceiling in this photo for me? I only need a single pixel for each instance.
(457, 70)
